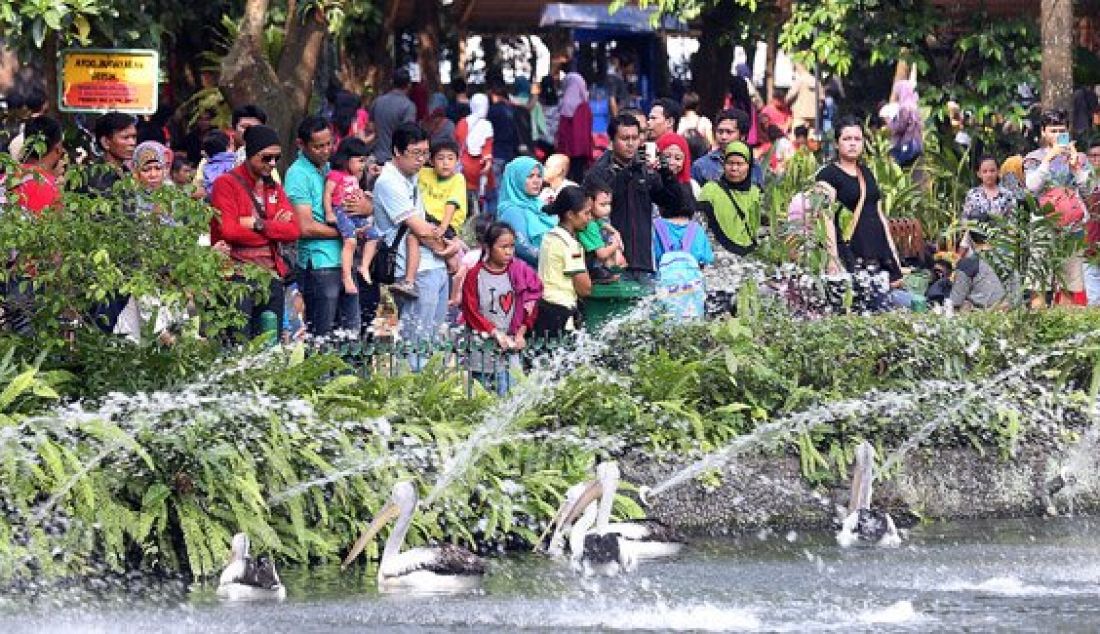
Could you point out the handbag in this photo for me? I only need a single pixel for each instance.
(383, 268)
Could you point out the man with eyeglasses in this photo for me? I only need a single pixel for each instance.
(319, 247)
(254, 218)
(730, 125)
(398, 201)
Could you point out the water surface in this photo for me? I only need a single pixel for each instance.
(1010, 575)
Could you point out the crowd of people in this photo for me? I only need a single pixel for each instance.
(499, 211)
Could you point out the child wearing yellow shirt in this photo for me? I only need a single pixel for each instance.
(443, 191)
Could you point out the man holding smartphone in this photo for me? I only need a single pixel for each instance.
(637, 182)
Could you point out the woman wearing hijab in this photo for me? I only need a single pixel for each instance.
(521, 208)
(731, 204)
(474, 134)
(574, 137)
(674, 151)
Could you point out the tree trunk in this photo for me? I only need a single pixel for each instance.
(1058, 40)
(769, 65)
(247, 75)
(711, 63)
(49, 70)
(428, 39)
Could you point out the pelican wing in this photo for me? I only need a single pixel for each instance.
(453, 560)
(257, 573)
(602, 549)
(647, 530)
(445, 560)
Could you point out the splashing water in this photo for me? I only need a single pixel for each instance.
(539, 385)
(1006, 379)
(874, 404)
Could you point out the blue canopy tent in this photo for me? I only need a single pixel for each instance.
(630, 26)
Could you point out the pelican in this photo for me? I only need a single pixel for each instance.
(556, 546)
(245, 578)
(641, 539)
(864, 524)
(446, 568)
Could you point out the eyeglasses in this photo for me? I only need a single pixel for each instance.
(417, 154)
(271, 158)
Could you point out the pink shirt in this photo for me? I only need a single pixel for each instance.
(345, 184)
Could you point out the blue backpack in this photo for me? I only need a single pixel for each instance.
(681, 292)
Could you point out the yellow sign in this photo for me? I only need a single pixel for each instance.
(98, 80)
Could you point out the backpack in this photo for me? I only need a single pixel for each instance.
(681, 292)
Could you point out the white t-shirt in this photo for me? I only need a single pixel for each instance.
(396, 199)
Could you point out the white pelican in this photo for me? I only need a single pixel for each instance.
(245, 578)
(445, 568)
(864, 524)
(640, 539)
(556, 546)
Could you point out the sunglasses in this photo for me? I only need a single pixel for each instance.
(271, 158)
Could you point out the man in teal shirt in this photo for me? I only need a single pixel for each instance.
(319, 247)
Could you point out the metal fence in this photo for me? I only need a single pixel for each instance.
(480, 359)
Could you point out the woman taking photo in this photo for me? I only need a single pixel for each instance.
(859, 235)
(562, 269)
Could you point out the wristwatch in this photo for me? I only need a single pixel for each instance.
(258, 225)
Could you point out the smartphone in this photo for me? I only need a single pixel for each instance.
(1062, 138)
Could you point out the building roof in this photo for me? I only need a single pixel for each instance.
(502, 16)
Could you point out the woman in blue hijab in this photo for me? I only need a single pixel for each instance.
(520, 207)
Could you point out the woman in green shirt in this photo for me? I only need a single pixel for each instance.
(731, 204)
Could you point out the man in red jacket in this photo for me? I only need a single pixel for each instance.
(253, 217)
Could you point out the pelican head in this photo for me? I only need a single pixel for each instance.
(607, 480)
(238, 547)
(402, 502)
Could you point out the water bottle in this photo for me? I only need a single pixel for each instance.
(269, 326)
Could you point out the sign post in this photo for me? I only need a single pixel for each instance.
(99, 80)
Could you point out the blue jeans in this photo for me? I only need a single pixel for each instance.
(421, 318)
(327, 305)
(1092, 284)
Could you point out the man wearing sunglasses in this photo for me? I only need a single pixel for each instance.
(254, 217)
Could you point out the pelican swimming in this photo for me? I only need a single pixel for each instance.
(445, 568)
(864, 524)
(246, 578)
(639, 539)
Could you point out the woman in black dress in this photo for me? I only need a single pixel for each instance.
(859, 234)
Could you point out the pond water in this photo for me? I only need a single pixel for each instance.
(1006, 575)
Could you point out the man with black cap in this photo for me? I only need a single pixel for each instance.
(254, 216)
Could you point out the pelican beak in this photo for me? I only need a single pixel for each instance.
(388, 513)
(558, 520)
(591, 494)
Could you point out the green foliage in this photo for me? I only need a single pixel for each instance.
(92, 249)
(300, 452)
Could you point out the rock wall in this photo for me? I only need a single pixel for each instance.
(955, 483)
